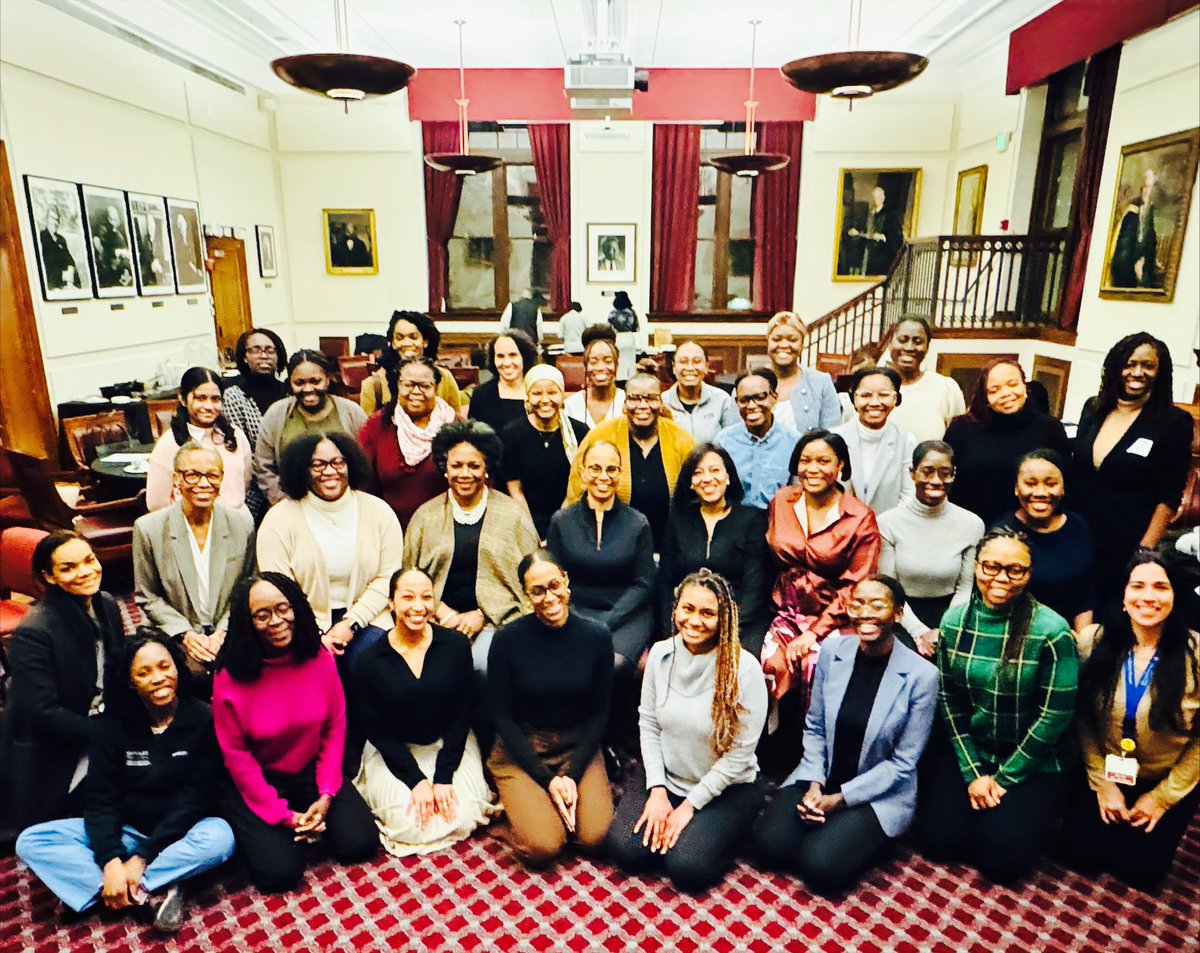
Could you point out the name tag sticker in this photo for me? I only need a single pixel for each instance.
(1120, 770)
(1142, 446)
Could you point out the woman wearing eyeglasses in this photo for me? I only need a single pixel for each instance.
(260, 357)
(1009, 673)
(286, 796)
(399, 438)
(607, 548)
(929, 545)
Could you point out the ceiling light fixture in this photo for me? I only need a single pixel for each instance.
(854, 74)
(343, 76)
(461, 162)
(750, 163)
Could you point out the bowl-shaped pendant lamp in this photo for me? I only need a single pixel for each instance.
(749, 163)
(462, 162)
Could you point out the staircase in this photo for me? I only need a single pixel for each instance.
(965, 283)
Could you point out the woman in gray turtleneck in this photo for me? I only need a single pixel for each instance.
(929, 544)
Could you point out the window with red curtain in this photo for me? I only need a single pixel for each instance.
(676, 184)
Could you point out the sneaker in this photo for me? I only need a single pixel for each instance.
(168, 918)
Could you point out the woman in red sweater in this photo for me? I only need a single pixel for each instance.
(280, 718)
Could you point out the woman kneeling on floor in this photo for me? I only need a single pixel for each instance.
(704, 703)
(149, 790)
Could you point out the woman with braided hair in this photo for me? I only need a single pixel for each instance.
(704, 703)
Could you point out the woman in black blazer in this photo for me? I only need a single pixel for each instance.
(56, 657)
(710, 528)
(1131, 458)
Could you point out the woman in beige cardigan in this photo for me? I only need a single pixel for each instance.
(340, 544)
(470, 539)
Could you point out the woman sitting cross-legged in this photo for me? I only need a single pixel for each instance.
(704, 703)
(280, 716)
(151, 788)
(422, 775)
(1139, 699)
(1009, 672)
(872, 706)
(549, 681)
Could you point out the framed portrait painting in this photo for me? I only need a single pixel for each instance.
(151, 246)
(350, 247)
(1150, 212)
(187, 246)
(877, 211)
(264, 236)
(612, 253)
(109, 246)
(56, 216)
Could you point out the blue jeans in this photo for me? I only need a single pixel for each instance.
(59, 854)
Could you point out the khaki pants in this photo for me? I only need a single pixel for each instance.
(539, 834)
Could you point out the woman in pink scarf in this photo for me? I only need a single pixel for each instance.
(397, 439)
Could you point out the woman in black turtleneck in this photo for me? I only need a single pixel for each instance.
(999, 428)
(261, 357)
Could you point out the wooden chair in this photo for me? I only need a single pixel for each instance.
(354, 370)
(835, 365)
(161, 413)
(571, 366)
(451, 357)
(84, 434)
(334, 347)
(464, 376)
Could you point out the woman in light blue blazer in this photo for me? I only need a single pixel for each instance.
(871, 708)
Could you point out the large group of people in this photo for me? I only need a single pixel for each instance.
(395, 622)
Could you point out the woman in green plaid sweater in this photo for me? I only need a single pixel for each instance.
(1009, 671)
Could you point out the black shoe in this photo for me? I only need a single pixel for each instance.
(168, 918)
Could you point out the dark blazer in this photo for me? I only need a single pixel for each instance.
(46, 727)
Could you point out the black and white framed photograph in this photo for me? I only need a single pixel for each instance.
(187, 246)
(57, 220)
(151, 246)
(265, 238)
(612, 251)
(109, 245)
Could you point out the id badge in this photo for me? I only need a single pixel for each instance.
(1120, 770)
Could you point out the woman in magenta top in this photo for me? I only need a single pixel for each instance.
(280, 718)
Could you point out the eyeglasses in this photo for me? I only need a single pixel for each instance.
(883, 396)
(595, 471)
(267, 349)
(745, 400)
(928, 473)
(320, 466)
(193, 477)
(876, 606)
(1015, 571)
(264, 616)
(649, 399)
(538, 593)
(425, 387)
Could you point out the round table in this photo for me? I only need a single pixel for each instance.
(115, 482)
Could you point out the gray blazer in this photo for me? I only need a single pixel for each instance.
(888, 479)
(897, 730)
(164, 576)
(269, 447)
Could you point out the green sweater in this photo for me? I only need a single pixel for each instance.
(1010, 719)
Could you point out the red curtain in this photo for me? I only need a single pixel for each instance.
(551, 146)
(774, 210)
(1101, 86)
(674, 202)
(442, 192)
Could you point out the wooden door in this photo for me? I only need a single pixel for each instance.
(230, 290)
(26, 420)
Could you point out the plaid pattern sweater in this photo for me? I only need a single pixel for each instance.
(1006, 719)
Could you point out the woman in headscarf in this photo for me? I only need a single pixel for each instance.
(261, 358)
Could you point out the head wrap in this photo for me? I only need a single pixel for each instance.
(547, 372)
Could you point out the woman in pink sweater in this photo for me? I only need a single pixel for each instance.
(280, 718)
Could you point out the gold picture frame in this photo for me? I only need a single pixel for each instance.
(853, 258)
(347, 250)
(969, 194)
(1160, 173)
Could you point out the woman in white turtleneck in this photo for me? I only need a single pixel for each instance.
(879, 449)
(929, 544)
(340, 544)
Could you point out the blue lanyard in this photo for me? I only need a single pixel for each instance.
(1134, 690)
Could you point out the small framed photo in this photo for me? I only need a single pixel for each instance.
(350, 247)
(187, 246)
(877, 211)
(264, 236)
(56, 216)
(612, 253)
(151, 246)
(109, 245)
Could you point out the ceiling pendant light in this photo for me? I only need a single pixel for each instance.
(461, 162)
(854, 74)
(750, 163)
(343, 76)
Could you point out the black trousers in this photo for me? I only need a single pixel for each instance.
(1129, 853)
(1003, 842)
(831, 857)
(275, 861)
(706, 848)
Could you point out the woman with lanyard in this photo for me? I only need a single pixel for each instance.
(539, 447)
(1138, 732)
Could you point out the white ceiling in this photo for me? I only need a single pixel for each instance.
(239, 38)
